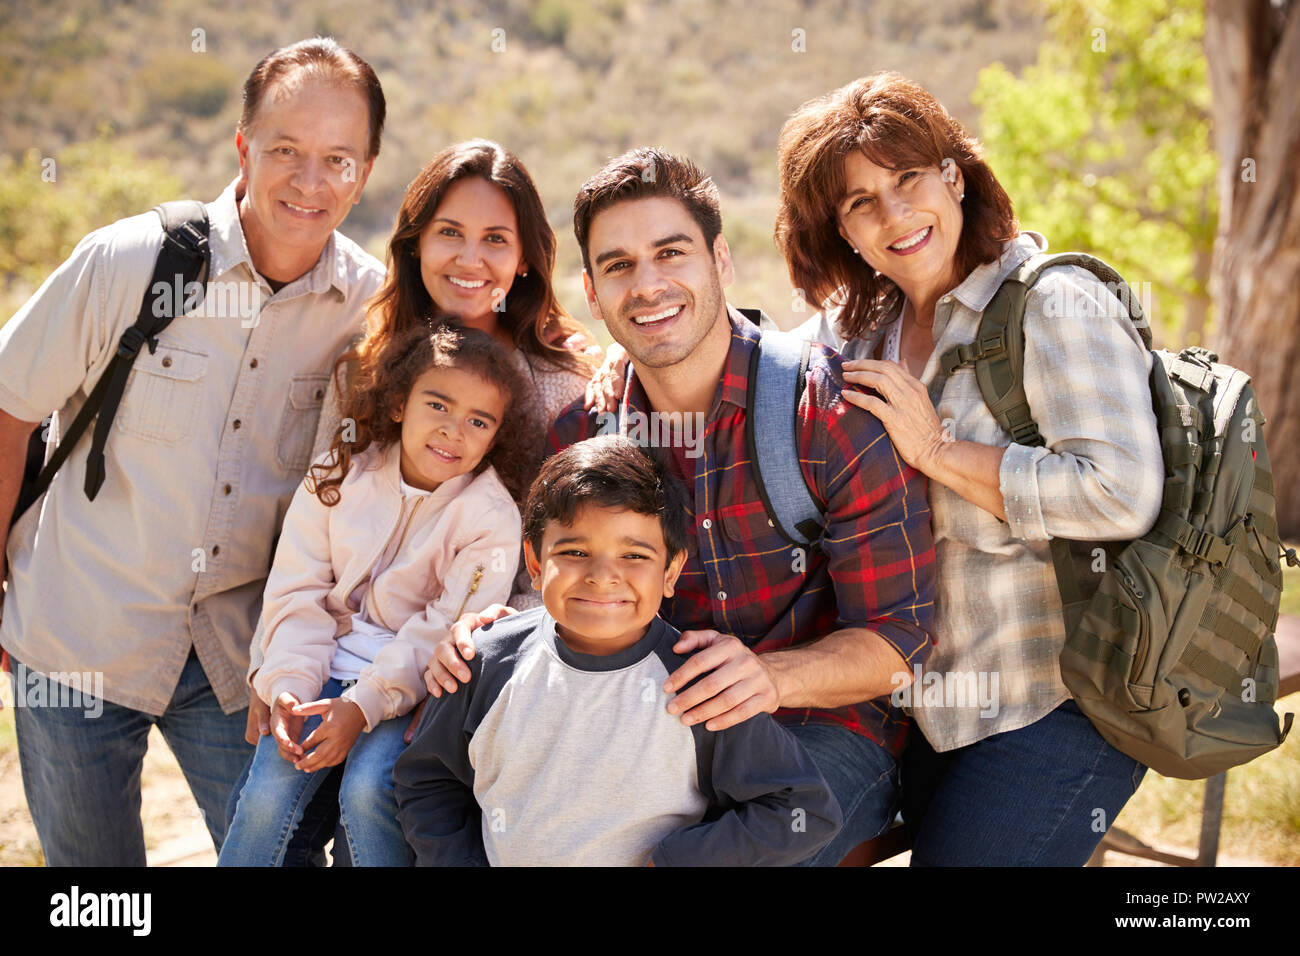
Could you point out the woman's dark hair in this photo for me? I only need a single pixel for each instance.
(897, 125)
(384, 381)
(613, 472)
(322, 58)
(533, 315)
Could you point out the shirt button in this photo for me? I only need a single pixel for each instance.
(167, 362)
(706, 524)
(252, 363)
(770, 524)
(722, 595)
(226, 489)
(216, 550)
(235, 424)
(320, 393)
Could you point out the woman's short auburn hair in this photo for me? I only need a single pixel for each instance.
(895, 124)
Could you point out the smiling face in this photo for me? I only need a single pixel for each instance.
(655, 282)
(303, 166)
(603, 576)
(448, 423)
(470, 252)
(905, 224)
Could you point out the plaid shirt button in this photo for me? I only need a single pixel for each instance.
(706, 524)
(722, 595)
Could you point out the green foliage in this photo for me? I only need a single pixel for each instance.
(93, 184)
(1104, 143)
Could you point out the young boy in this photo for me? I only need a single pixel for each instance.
(559, 749)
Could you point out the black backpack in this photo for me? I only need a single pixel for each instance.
(184, 258)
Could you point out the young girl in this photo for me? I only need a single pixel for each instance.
(406, 523)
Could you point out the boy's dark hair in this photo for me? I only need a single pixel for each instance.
(613, 472)
(644, 173)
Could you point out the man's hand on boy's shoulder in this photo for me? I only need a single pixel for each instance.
(738, 686)
(447, 669)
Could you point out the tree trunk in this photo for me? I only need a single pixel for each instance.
(1253, 51)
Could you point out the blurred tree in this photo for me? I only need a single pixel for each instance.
(47, 203)
(1104, 146)
(1253, 47)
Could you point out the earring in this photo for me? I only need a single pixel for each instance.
(961, 197)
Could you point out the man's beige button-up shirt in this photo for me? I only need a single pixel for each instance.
(213, 435)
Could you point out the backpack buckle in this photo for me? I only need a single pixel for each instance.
(1026, 434)
(190, 239)
(1209, 547)
(129, 345)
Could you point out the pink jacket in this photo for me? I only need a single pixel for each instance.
(457, 552)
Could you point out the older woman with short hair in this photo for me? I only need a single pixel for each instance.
(890, 216)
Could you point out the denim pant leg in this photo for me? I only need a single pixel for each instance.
(317, 826)
(1042, 795)
(208, 744)
(272, 802)
(367, 803)
(81, 773)
(862, 776)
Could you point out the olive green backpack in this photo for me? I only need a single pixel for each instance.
(1172, 657)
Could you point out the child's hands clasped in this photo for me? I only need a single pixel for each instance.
(286, 726)
(341, 725)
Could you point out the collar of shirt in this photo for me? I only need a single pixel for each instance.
(733, 388)
(977, 289)
(229, 250)
(975, 292)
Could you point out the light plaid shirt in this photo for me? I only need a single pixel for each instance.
(998, 629)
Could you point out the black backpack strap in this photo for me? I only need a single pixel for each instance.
(998, 357)
(184, 254)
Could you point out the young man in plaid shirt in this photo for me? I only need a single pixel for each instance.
(820, 638)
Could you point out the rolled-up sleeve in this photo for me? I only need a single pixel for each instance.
(49, 345)
(1100, 475)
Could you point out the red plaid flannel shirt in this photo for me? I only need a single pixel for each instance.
(875, 567)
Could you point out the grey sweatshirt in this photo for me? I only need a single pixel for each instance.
(549, 757)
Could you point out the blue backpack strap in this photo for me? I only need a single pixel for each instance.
(777, 370)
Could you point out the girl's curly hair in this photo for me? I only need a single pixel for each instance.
(386, 373)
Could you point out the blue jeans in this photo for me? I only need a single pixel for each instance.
(81, 773)
(1042, 795)
(318, 826)
(273, 800)
(862, 776)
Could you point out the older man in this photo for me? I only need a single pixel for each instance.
(154, 587)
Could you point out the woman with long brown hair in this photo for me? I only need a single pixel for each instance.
(890, 216)
(472, 247)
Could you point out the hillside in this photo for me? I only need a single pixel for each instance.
(563, 83)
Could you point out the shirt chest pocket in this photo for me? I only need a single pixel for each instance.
(161, 399)
(761, 554)
(302, 408)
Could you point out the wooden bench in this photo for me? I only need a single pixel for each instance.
(894, 840)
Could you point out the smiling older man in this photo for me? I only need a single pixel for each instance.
(157, 583)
